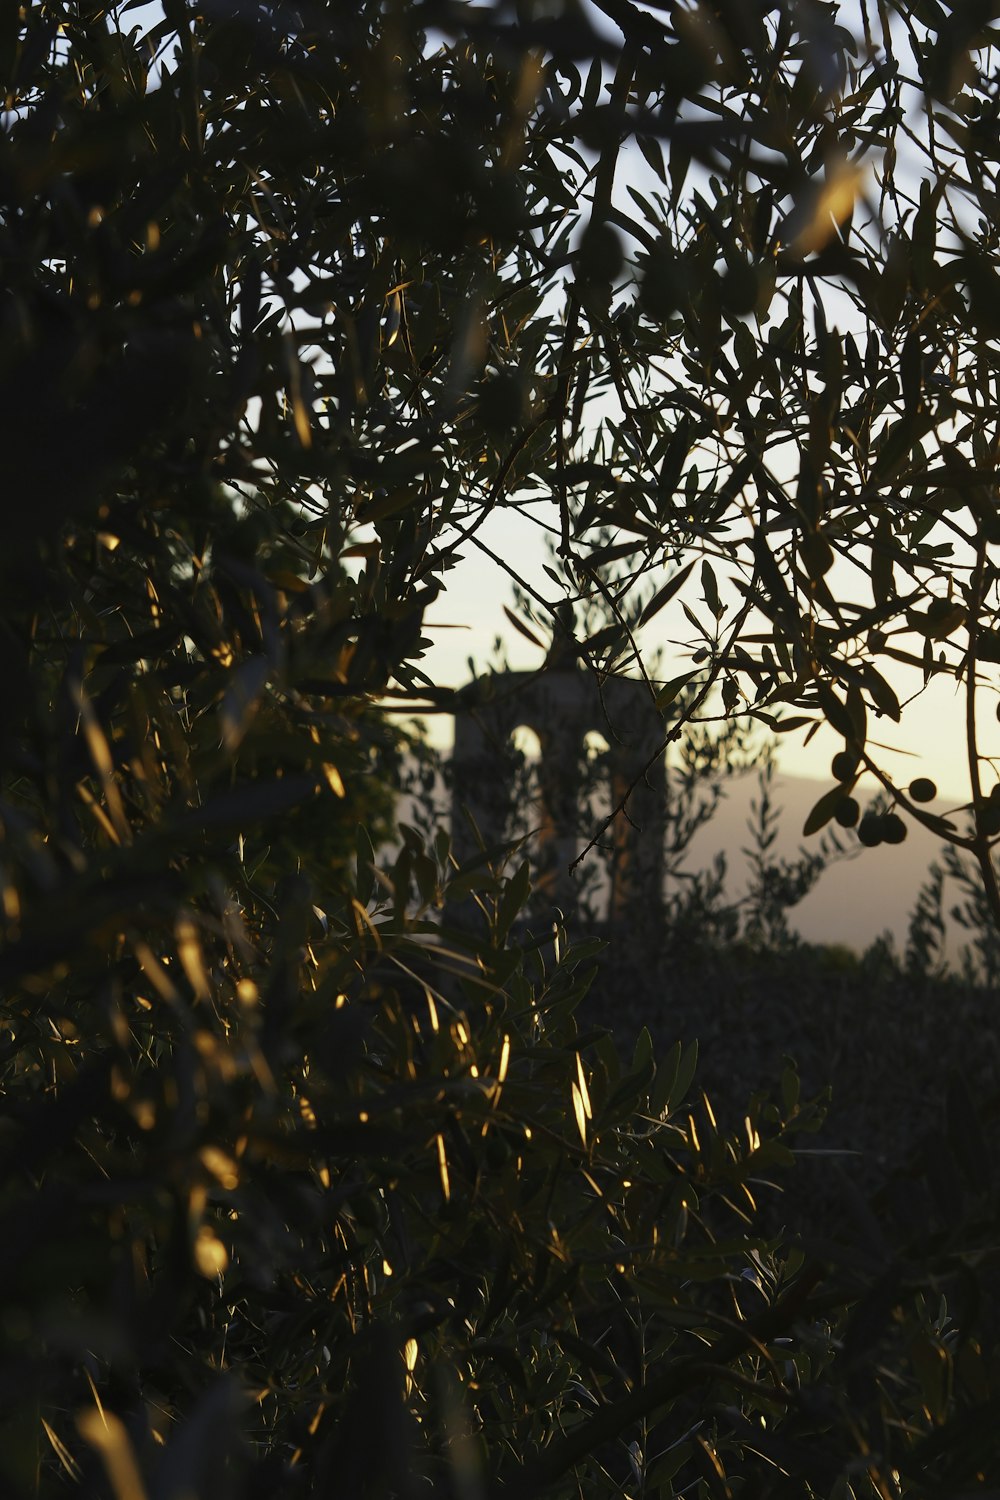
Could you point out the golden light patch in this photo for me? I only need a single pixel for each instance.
(210, 1256)
(822, 209)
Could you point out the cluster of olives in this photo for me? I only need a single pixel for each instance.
(881, 828)
(877, 828)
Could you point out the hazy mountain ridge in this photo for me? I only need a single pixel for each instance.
(857, 899)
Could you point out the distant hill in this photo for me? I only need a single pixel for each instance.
(857, 899)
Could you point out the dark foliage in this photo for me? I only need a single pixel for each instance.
(306, 1190)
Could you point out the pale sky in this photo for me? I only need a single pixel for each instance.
(933, 726)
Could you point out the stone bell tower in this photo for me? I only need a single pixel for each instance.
(563, 703)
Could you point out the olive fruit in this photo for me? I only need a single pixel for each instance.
(870, 830)
(893, 829)
(923, 789)
(847, 812)
(844, 765)
(988, 818)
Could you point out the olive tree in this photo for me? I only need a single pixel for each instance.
(789, 322)
(303, 1185)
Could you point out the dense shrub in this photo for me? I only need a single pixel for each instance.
(304, 1189)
